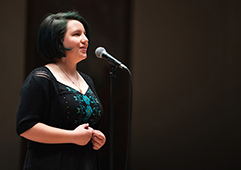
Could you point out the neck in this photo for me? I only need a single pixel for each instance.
(68, 68)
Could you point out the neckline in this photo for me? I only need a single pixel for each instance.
(73, 88)
(52, 75)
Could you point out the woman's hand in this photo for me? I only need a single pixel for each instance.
(82, 134)
(98, 139)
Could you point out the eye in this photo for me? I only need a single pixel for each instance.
(76, 34)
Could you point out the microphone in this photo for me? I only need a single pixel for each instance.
(100, 52)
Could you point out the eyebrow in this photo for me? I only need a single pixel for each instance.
(78, 30)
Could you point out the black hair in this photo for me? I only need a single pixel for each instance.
(52, 31)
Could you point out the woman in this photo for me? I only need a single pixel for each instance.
(59, 110)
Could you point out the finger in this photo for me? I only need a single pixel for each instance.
(91, 128)
(95, 145)
(98, 137)
(99, 141)
(98, 134)
(96, 140)
(98, 144)
(86, 125)
(96, 148)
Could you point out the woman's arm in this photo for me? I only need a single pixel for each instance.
(43, 133)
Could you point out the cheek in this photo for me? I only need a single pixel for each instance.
(68, 43)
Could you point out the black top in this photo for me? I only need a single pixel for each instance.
(45, 100)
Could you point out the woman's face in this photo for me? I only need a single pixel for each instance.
(75, 39)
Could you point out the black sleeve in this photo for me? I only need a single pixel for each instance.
(32, 103)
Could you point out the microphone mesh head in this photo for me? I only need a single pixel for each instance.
(99, 51)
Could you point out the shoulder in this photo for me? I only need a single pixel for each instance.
(38, 77)
(42, 71)
(40, 74)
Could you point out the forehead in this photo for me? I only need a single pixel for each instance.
(73, 25)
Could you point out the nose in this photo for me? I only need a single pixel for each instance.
(84, 39)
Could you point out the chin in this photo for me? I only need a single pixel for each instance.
(83, 58)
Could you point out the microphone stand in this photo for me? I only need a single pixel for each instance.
(112, 76)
